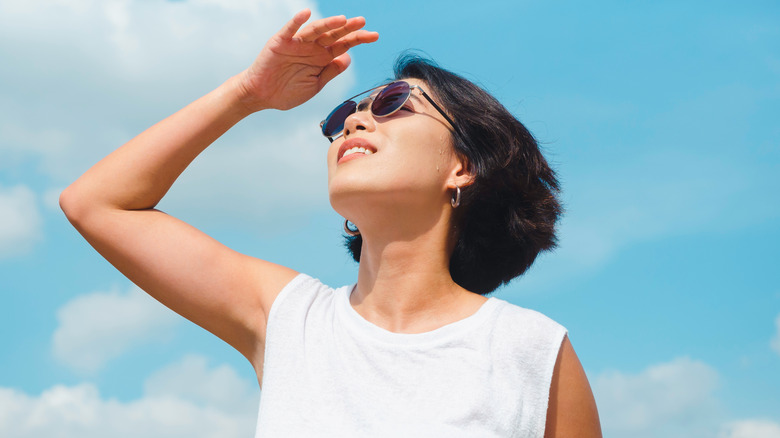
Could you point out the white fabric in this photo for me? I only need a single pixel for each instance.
(330, 373)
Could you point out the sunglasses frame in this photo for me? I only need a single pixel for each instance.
(383, 87)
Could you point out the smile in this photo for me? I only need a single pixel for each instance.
(357, 147)
(357, 150)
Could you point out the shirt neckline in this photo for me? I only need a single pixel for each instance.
(442, 334)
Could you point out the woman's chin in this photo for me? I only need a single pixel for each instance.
(347, 203)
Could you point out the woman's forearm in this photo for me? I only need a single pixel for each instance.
(137, 175)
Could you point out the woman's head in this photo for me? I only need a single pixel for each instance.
(508, 213)
(393, 168)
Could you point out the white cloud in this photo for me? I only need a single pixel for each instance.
(140, 40)
(97, 327)
(20, 220)
(775, 342)
(221, 386)
(676, 399)
(89, 75)
(755, 428)
(194, 406)
(673, 399)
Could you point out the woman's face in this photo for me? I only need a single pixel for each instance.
(407, 159)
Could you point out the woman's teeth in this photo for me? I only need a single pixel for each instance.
(356, 150)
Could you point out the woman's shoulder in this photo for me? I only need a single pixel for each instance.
(303, 290)
(527, 326)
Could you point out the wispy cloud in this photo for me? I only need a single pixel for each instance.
(775, 342)
(673, 399)
(89, 75)
(756, 428)
(97, 327)
(218, 386)
(20, 220)
(694, 167)
(197, 408)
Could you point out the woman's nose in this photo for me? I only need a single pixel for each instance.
(361, 119)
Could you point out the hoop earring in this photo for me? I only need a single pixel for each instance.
(349, 230)
(455, 200)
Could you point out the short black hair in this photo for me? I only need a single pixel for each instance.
(508, 214)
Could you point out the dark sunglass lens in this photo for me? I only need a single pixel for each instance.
(390, 99)
(334, 123)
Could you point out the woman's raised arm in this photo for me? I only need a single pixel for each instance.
(113, 204)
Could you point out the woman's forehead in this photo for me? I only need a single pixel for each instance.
(415, 81)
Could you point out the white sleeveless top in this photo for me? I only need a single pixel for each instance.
(328, 372)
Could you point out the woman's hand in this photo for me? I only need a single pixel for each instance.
(295, 64)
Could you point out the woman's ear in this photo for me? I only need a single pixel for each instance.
(461, 175)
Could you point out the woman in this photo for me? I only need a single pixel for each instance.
(421, 169)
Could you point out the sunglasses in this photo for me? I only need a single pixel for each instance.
(392, 98)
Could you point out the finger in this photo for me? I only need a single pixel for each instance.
(356, 38)
(292, 26)
(319, 27)
(331, 37)
(334, 68)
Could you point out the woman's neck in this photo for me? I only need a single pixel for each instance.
(404, 285)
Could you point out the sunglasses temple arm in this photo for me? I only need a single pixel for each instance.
(438, 108)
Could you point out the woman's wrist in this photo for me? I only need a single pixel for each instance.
(239, 90)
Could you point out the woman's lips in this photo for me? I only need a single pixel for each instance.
(355, 143)
(351, 157)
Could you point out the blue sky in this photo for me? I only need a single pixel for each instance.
(661, 118)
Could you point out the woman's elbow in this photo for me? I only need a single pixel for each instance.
(74, 203)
